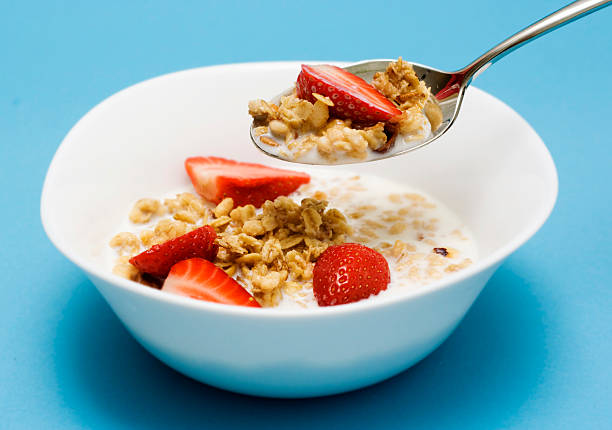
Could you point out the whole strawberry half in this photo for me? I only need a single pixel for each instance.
(202, 280)
(158, 259)
(353, 97)
(348, 273)
(215, 178)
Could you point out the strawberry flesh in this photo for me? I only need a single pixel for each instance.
(158, 259)
(215, 178)
(353, 97)
(348, 273)
(202, 280)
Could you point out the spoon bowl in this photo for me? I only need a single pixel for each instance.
(446, 88)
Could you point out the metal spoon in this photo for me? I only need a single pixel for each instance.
(449, 88)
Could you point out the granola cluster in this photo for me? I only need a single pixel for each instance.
(303, 125)
(269, 251)
(400, 84)
(275, 250)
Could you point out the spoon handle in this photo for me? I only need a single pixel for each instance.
(569, 13)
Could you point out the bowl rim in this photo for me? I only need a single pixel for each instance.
(330, 311)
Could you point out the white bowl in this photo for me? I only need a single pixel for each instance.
(491, 169)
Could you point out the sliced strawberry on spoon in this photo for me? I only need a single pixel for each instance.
(215, 178)
(202, 280)
(158, 259)
(353, 97)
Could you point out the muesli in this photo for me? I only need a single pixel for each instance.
(265, 230)
(332, 114)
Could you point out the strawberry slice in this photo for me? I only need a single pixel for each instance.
(158, 259)
(348, 273)
(202, 280)
(215, 178)
(353, 97)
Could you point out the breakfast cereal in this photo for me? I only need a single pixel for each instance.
(272, 251)
(326, 129)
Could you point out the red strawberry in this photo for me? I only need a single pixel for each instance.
(158, 259)
(202, 280)
(353, 97)
(348, 273)
(215, 178)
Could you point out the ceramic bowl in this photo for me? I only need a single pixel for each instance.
(491, 169)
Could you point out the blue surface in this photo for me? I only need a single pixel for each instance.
(535, 351)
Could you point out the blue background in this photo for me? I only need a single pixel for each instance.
(535, 351)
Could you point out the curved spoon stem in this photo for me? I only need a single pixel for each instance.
(563, 16)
